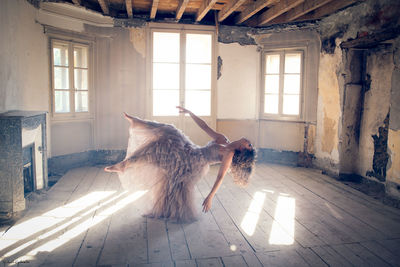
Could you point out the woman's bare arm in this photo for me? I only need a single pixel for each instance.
(225, 164)
(219, 138)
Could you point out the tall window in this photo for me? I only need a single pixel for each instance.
(181, 69)
(283, 83)
(70, 77)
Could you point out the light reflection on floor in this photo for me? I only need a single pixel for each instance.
(52, 229)
(282, 230)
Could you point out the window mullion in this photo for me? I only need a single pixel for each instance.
(182, 69)
(71, 78)
(281, 80)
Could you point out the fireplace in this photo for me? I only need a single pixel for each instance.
(23, 160)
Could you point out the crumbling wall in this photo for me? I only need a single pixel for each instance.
(393, 167)
(367, 142)
(375, 115)
(329, 113)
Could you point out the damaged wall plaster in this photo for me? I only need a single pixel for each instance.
(138, 39)
(328, 108)
(379, 67)
(393, 172)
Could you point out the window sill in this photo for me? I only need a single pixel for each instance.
(68, 117)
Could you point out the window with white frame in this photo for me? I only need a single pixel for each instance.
(181, 72)
(70, 77)
(283, 78)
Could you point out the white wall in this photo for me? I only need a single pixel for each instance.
(237, 88)
(24, 72)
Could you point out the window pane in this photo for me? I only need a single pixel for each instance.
(272, 84)
(166, 47)
(61, 79)
(272, 64)
(199, 102)
(61, 101)
(291, 84)
(198, 76)
(60, 54)
(165, 76)
(271, 104)
(198, 48)
(81, 56)
(81, 79)
(165, 102)
(81, 101)
(292, 63)
(291, 104)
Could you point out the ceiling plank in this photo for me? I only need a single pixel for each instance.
(329, 8)
(205, 6)
(181, 9)
(277, 10)
(77, 2)
(229, 8)
(154, 8)
(300, 10)
(128, 4)
(253, 9)
(104, 6)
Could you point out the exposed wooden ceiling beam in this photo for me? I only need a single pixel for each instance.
(104, 6)
(277, 10)
(329, 8)
(229, 8)
(181, 9)
(77, 2)
(205, 6)
(371, 40)
(253, 9)
(128, 4)
(300, 10)
(154, 8)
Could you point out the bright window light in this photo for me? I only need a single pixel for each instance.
(282, 86)
(282, 232)
(185, 75)
(252, 215)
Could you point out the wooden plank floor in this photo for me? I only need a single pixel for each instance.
(285, 217)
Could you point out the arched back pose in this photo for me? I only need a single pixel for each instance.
(181, 163)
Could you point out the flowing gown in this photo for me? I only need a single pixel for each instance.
(163, 160)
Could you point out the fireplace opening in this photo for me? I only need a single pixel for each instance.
(29, 169)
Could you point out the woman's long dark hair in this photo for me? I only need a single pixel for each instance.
(243, 164)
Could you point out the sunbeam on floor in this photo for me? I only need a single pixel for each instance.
(52, 229)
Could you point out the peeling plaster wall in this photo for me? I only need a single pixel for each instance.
(378, 90)
(329, 112)
(376, 105)
(393, 167)
(24, 72)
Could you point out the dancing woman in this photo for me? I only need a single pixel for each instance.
(181, 163)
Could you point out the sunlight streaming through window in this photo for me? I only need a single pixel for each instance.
(282, 232)
(250, 220)
(67, 235)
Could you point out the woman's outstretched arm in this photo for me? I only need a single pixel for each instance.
(219, 138)
(225, 164)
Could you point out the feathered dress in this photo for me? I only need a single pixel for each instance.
(162, 159)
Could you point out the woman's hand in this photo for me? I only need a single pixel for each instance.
(207, 203)
(183, 110)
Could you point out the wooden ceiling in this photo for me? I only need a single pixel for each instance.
(255, 13)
